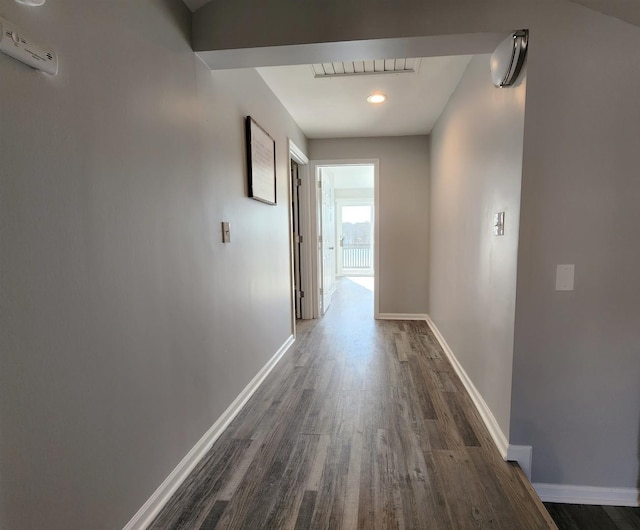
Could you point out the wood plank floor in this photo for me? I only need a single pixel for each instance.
(586, 517)
(362, 424)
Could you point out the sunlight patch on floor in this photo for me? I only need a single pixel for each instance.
(364, 281)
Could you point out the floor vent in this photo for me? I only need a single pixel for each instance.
(368, 67)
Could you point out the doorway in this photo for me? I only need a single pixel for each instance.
(346, 221)
(296, 183)
(300, 226)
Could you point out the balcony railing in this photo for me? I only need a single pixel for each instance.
(356, 256)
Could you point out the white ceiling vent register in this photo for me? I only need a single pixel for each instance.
(367, 67)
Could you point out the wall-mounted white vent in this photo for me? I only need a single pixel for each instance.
(368, 67)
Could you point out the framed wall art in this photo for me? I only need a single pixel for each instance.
(261, 163)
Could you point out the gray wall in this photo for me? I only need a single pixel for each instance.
(238, 24)
(119, 307)
(476, 169)
(576, 381)
(575, 395)
(403, 213)
(127, 328)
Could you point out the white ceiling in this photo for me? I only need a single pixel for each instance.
(336, 107)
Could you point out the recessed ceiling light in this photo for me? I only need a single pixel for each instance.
(377, 98)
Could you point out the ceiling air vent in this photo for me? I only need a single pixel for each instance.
(368, 67)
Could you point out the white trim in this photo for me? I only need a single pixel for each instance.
(485, 412)
(292, 243)
(326, 271)
(306, 255)
(522, 454)
(402, 316)
(313, 247)
(302, 160)
(568, 494)
(376, 237)
(156, 502)
(297, 154)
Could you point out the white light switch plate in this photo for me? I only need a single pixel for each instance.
(564, 277)
(498, 224)
(226, 232)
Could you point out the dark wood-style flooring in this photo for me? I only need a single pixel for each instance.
(581, 517)
(362, 424)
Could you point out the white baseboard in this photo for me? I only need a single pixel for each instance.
(523, 455)
(156, 502)
(562, 493)
(568, 494)
(485, 412)
(401, 316)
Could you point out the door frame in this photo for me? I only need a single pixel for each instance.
(297, 155)
(315, 279)
(296, 184)
(325, 175)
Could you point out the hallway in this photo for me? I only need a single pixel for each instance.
(362, 424)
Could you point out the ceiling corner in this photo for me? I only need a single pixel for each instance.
(194, 5)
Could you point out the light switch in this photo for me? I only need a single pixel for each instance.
(226, 232)
(498, 224)
(564, 277)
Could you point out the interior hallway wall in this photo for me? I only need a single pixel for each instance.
(403, 213)
(127, 327)
(576, 391)
(575, 396)
(476, 155)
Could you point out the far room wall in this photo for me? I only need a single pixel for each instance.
(403, 213)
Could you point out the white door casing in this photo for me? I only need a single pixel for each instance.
(327, 237)
(306, 249)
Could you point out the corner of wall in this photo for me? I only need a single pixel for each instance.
(523, 455)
